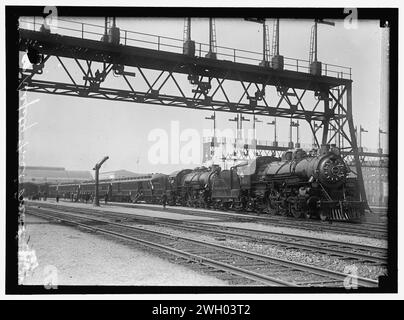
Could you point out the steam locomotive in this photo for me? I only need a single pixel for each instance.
(299, 184)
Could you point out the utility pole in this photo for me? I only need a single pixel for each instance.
(245, 146)
(212, 40)
(361, 129)
(315, 128)
(273, 123)
(264, 43)
(189, 45)
(315, 40)
(97, 173)
(213, 117)
(380, 150)
(210, 35)
(277, 60)
(239, 119)
(255, 120)
(294, 124)
(188, 29)
(276, 44)
(241, 124)
(235, 119)
(315, 65)
(213, 142)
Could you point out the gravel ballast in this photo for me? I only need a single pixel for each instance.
(248, 225)
(321, 260)
(316, 259)
(84, 258)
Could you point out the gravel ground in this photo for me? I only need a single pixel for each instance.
(134, 210)
(248, 225)
(321, 260)
(307, 233)
(84, 258)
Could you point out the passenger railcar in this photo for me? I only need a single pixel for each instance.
(317, 184)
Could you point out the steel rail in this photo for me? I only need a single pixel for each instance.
(290, 245)
(356, 246)
(335, 224)
(300, 224)
(186, 255)
(334, 275)
(197, 226)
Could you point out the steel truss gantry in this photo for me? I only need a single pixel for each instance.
(173, 79)
(367, 159)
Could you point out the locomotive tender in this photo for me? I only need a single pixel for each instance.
(299, 184)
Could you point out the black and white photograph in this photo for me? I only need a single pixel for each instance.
(201, 150)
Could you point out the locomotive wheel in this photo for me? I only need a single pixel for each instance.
(283, 211)
(296, 212)
(299, 211)
(271, 210)
(323, 216)
(260, 210)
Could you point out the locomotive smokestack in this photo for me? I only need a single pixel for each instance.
(325, 148)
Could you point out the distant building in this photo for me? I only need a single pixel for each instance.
(375, 178)
(376, 185)
(51, 175)
(118, 174)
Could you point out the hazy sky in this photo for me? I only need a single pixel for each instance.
(75, 133)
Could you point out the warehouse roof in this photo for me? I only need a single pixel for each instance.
(39, 174)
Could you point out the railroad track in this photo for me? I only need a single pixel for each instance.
(342, 250)
(366, 230)
(255, 268)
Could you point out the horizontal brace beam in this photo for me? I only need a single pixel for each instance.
(98, 51)
(344, 153)
(186, 102)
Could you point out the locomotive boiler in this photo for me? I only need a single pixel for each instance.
(197, 186)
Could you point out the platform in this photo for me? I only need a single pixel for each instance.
(84, 258)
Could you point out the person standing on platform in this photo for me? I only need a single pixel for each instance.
(164, 199)
(57, 197)
(106, 198)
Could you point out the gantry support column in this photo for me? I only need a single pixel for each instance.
(325, 96)
(354, 145)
